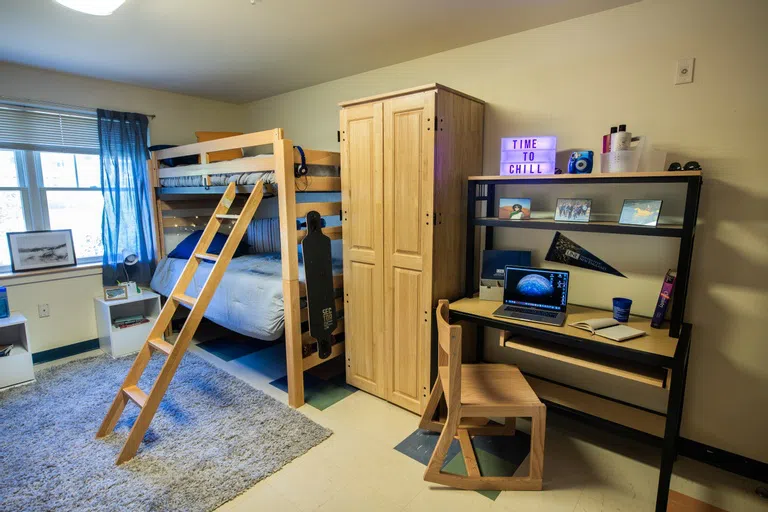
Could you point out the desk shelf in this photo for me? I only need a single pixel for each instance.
(663, 230)
(656, 377)
(609, 410)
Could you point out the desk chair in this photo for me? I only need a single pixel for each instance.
(479, 391)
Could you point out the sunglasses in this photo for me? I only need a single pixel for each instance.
(690, 166)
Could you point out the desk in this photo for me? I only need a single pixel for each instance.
(654, 354)
(642, 359)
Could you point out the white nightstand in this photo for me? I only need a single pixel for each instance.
(119, 342)
(16, 367)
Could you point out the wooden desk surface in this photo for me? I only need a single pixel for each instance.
(657, 341)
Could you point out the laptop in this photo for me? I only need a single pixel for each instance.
(534, 295)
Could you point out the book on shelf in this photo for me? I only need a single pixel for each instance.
(5, 350)
(608, 328)
(665, 296)
(129, 321)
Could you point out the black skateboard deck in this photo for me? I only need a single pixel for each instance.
(318, 274)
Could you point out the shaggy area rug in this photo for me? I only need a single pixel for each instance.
(213, 437)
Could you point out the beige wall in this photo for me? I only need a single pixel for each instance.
(70, 296)
(574, 80)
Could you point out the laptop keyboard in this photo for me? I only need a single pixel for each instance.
(548, 314)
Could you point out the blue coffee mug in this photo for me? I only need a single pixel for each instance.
(621, 309)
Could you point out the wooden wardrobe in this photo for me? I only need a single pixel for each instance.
(405, 159)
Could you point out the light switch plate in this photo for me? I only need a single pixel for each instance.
(684, 73)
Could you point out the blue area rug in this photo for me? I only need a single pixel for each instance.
(213, 438)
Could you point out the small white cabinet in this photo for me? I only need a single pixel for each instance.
(15, 368)
(119, 342)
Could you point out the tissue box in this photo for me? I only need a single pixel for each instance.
(492, 289)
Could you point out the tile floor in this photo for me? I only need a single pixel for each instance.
(358, 468)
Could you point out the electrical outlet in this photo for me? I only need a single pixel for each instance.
(43, 310)
(684, 73)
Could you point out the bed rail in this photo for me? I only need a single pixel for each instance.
(190, 207)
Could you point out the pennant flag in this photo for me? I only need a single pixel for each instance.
(564, 250)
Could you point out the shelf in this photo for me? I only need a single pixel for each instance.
(650, 376)
(143, 296)
(609, 410)
(14, 319)
(614, 177)
(667, 230)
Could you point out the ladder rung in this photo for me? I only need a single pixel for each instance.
(161, 346)
(185, 299)
(206, 256)
(136, 395)
(227, 217)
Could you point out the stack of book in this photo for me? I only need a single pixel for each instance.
(129, 321)
(5, 350)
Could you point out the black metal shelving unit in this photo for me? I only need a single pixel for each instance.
(679, 330)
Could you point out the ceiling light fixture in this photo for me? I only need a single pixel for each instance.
(93, 7)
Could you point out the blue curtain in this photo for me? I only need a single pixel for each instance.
(126, 225)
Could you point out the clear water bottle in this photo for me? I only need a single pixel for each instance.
(5, 309)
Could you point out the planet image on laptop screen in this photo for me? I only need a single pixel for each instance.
(535, 285)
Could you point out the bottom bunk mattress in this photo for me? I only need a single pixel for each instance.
(249, 299)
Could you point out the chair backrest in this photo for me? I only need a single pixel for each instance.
(449, 353)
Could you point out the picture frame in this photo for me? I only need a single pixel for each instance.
(640, 212)
(41, 250)
(514, 208)
(573, 210)
(118, 292)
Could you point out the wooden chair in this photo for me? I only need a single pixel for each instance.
(479, 391)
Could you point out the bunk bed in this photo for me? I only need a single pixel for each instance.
(259, 294)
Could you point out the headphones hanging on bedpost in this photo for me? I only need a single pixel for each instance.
(302, 170)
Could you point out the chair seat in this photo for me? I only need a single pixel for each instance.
(488, 385)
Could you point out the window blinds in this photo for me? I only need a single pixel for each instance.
(41, 129)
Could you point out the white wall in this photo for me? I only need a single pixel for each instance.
(70, 296)
(574, 80)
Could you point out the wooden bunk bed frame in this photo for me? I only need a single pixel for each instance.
(184, 206)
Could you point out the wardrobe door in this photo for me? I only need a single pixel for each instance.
(362, 196)
(408, 209)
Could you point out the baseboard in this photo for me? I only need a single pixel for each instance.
(738, 464)
(65, 351)
(727, 461)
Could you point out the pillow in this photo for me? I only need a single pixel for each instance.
(263, 235)
(184, 249)
(218, 156)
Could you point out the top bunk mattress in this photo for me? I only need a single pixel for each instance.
(241, 178)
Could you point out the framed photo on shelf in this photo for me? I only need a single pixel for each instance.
(38, 250)
(573, 210)
(115, 292)
(514, 208)
(640, 212)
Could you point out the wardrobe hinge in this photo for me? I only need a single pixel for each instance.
(338, 135)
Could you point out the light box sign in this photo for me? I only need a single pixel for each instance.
(528, 155)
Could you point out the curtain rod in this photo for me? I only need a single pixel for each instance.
(74, 109)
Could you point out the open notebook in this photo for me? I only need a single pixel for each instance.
(608, 328)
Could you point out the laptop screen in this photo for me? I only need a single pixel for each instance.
(536, 287)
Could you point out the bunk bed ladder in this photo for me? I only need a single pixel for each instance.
(129, 391)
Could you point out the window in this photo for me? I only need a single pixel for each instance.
(50, 177)
(45, 190)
